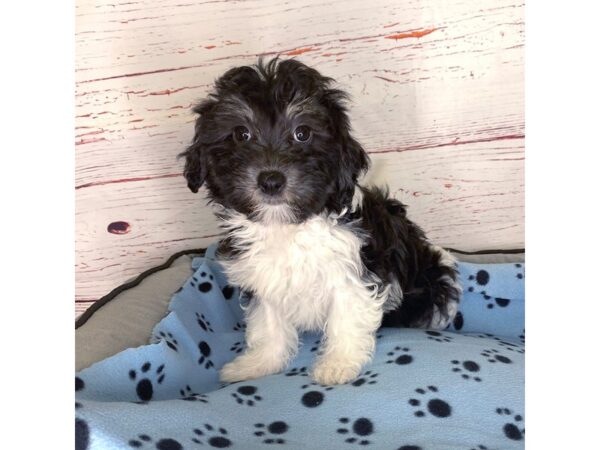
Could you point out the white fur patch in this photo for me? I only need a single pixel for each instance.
(306, 276)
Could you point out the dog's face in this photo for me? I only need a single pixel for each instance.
(273, 142)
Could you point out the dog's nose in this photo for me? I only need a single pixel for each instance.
(271, 182)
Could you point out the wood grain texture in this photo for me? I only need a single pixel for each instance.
(437, 93)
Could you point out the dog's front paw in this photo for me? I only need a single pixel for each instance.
(334, 372)
(245, 367)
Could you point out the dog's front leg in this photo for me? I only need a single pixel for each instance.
(349, 338)
(270, 343)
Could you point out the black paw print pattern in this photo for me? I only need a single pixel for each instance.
(462, 367)
(366, 378)
(522, 337)
(459, 321)
(520, 271)
(191, 396)
(435, 406)
(82, 434)
(205, 352)
(144, 387)
(240, 326)
(437, 336)
(228, 292)
(410, 447)
(237, 347)
(246, 395)
(400, 356)
(482, 278)
(168, 339)
(215, 437)
(297, 371)
(79, 384)
(272, 431)
(161, 444)
(510, 346)
(512, 430)
(493, 355)
(314, 398)
(204, 323)
(315, 347)
(359, 429)
(479, 447)
(203, 285)
(502, 302)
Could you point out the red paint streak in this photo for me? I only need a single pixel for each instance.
(386, 79)
(446, 144)
(447, 185)
(210, 47)
(127, 180)
(90, 132)
(232, 43)
(89, 141)
(411, 34)
(84, 115)
(135, 120)
(300, 51)
(119, 227)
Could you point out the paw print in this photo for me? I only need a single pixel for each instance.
(79, 384)
(314, 398)
(522, 337)
(520, 271)
(378, 336)
(190, 396)
(459, 321)
(480, 447)
(469, 366)
(512, 430)
(402, 359)
(435, 406)
(215, 437)
(502, 302)
(165, 443)
(202, 285)
(494, 355)
(315, 347)
(367, 378)
(245, 395)
(510, 346)
(438, 337)
(360, 428)
(300, 371)
(482, 277)
(240, 326)
(205, 352)
(274, 428)
(168, 338)
(237, 347)
(228, 292)
(144, 387)
(204, 323)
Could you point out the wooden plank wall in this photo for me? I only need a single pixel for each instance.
(437, 91)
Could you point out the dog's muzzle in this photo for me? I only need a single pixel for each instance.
(271, 182)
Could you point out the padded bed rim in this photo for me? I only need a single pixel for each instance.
(81, 320)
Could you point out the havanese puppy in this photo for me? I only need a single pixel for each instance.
(312, 248)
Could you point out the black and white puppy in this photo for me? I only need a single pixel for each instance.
(315, 250)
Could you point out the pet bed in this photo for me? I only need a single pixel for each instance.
(461, 388)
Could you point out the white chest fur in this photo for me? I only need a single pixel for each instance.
(300, 269)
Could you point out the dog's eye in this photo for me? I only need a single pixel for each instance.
(241, 134)
(302, 133)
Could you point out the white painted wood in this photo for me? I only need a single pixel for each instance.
(437, 101)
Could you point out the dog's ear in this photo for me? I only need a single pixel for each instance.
(354, 161)
(195, 169)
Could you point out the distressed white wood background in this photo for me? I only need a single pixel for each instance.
(437, 88)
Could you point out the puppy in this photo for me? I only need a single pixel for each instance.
(313, 249)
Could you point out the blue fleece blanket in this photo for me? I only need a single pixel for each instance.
(462, 388)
